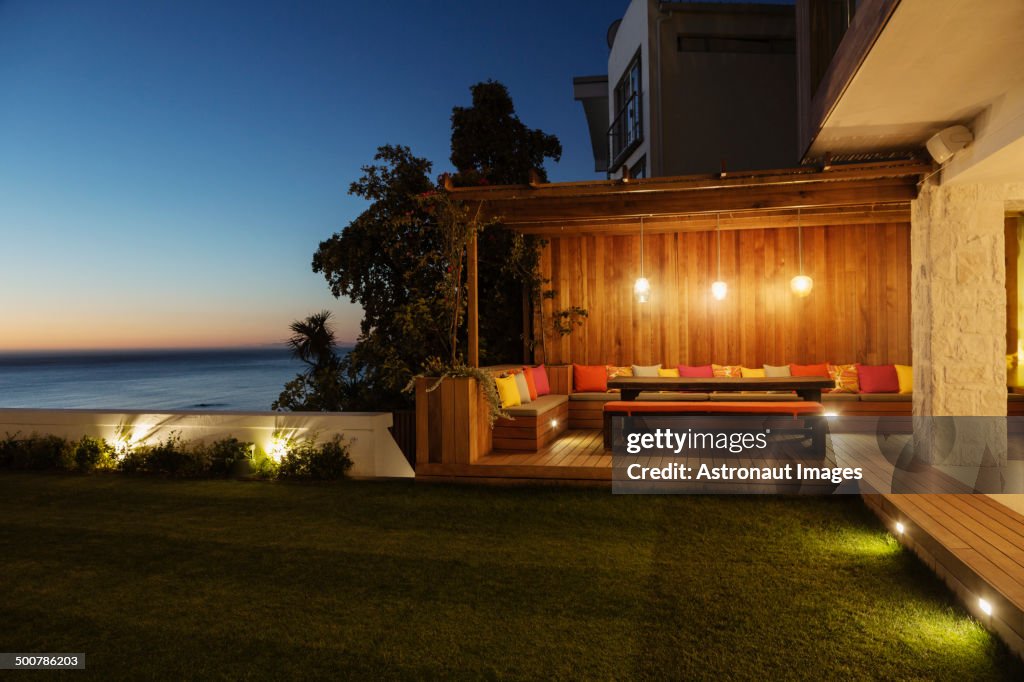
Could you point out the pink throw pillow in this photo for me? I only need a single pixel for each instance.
(540, 380)
(878, 379)
(698, 372)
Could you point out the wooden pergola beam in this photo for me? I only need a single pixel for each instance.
(473, 303)
(514, 212)
(528, 207)
(704, 222)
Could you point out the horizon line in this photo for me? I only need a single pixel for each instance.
(143, 349)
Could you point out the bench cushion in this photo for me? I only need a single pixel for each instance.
(886, 398)
(839, 397)
(538, 407)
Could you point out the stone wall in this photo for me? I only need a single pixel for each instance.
(958, 300)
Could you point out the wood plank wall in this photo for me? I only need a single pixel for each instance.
(859, 310)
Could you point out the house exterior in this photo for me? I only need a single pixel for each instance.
(901, 71)
(934, 248)
(692, 88)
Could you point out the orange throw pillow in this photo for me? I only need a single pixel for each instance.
(730, 371)
(530, 383)
(589, 379)
(845, 377)
(614, 371)
(810, 370)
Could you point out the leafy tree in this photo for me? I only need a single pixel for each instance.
(403, 259)
(491, 145)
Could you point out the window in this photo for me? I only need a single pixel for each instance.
(626, 131)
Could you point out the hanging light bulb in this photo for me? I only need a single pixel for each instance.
(801, 284)
(641, 287)
(719, 289)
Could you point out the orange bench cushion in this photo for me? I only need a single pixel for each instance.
(663, 407)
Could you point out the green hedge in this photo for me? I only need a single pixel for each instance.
(174, 457)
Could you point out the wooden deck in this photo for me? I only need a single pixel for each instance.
(576, 457)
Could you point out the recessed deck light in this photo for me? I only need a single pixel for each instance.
(985, 607)
(900, 528)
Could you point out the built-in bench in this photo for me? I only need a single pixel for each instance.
(586, 409)
(790, 407)
(533, 425)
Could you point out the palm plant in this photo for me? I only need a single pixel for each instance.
(319, 387)
(313, 341)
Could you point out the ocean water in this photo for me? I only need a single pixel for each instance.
(234, 379)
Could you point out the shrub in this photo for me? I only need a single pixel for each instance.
(224, 456)
(170, 456)
(35, 452)
(93, 453)
(7, 448)
(306, 459)
(174, 457)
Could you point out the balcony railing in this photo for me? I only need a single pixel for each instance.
(626, 131)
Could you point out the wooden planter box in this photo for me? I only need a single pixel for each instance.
(451, 421)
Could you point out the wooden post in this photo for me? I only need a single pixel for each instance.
(473, 304)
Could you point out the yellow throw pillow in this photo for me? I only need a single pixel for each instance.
(670, 372)
(748, 373)
(905, 375)
(508, 391)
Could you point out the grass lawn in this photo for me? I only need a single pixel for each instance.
(154, 579)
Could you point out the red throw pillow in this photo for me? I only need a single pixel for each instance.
(698, 372)
(878, 379)
(540, 380)
(810, 370)
(589, 379)
(531, 385)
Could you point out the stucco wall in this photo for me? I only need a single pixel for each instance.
(633, 34)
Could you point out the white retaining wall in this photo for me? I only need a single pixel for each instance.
(375, 454)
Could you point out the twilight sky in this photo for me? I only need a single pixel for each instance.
(168, 168)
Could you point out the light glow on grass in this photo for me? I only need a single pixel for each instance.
(985, 607)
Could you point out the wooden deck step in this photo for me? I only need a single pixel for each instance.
(975, 544)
